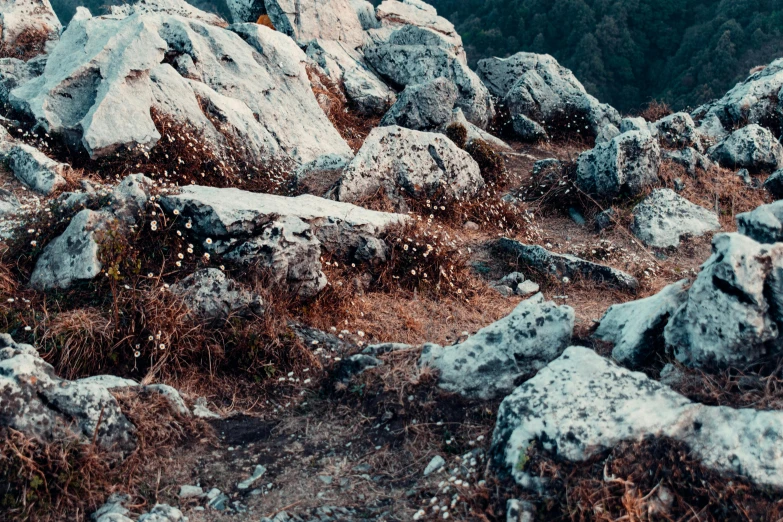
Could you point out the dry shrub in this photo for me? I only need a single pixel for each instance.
(457, 133)
(266, 21)
(655, 110)
(492, 167)
(70, 340)
(30, 43)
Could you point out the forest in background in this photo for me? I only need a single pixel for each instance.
(625, 52)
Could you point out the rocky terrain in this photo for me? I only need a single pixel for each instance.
(307, 265)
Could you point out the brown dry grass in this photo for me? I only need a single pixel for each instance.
(30, 43)
(655, 110)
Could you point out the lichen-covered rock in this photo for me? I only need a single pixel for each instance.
(774, 184)
(34, 17)
(170, 7)
(752, 147)
(324, 19)
(35, 169)
(318, 176)
(9, 203)
(425, 106)
(764, 223)
(733, 311)
(208, 293)
(417, 164)
(678, 130)
(582, 404)
(396, 14)
(527, 129)
(635, 123)
(163, 513)
(691, 159)
(663, 217)
(538, 87)
(565, 265)
(14, 72)
(626, 165)
(366, 13)
(636, 328)
(36, 402)
(413, 55)
(493, 362)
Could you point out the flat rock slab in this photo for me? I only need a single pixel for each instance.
(582, 404)
(565, 265)
(664, 217)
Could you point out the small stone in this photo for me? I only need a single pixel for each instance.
(435, 464)
(258, 472)
(190, 491)
(526, 288)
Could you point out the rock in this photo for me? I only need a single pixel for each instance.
(169, 393)
(356, 365)
(526, 288)
(436, 464)
(318, 176)
(744, 175)
(416, 13)
(606, 133)
(752, 147)
(170, 7)
(473, 133)
(494, 360)
(663, 217)
(226, 213)
(582, 404)
(636, 328)
(324, 19)
(36, 170)
(256, 85)
(504, 290)
(678, 131)
(15, 72)
(605, 219)
(520, 511)
(539, 88)
(9, 203)
(763, 224)
(28, 17)
(190, 492)
(163, 513)
(691, 159)
(217, 500)
(108, 381)
(242, 11)
(113, 510)
(733, 313)
(527, 129)
(39, 404)
(417, 164)
(211, 295)
(366, 13)
(754, 100)
(679, 184)
(626, 165)
(774, 184)
(638, 124)
(130, 197)
(565, 265)
(413, 55)
(201, 410)
(258, 472)
(424, 106)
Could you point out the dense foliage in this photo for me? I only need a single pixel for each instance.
(627, 52)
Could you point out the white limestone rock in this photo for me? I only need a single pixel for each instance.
(395, 14)
(752, 147)
(35, 169)
(678, 130)
(764, 223)
(417, 164)
(366, 13)
(634, 328)
(582, 404)
(626, 165)
(325, 19)
(318, 176)
(494, 360)
(663, 217)
(14, 72)
(634, 123)
(20, 16)
(424, 106)
(208, 293)
(170, 7)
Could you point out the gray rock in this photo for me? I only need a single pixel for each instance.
(39, 404)
(395, 14)
(637, 123)
(733, 313)
(691, 159)
(526, 288)
(9, 203)
(605, 219)
(170, 7)
(424, 106)
(494, 360)
(163, 513)
(108, 381)
(536, 86)
(366, 13)
(209, 294)
(36, 170)
(752, 147)
(417, 164)
(258, 472)
(217, 500)
(19, 16)
(14, 72)
(565, 265)
(318, 176)
(325, 19)
(678, 130)
(636, 328)
(606, 133)
(520, 511)
(774, 184)
(663, 217)
(437, 463)
(201, 410)
(356, 365)
(245, 10)
(527, 129)
(187, 491)
(113, 510)
(474, 133)
(626, 165)
(744, 175)
(764, 224)
(130, 197)
(169, 393)
(582, 404)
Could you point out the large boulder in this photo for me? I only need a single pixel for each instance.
(107, 75)
(413, 55)
(34, 401)
(395, 14)
(678, 131)
(497, 358)
(35, 169)
(15, 72)
(733, 313)
(425, 106)
(564, 265)
(754, 100)
(636, 328)
(663, 217)
(626, 165)
(171, 7)
(752, 147)
(325, 19)
(582, 404)
(764, 223)
(539, 88)
(31, 18)
(208, 293)
(403, 161)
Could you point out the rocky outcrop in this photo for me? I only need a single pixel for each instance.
(325, 19)
(395, 14)
(763, 224)
(582, 404)
(36, 170)
(664, 217)
(252, 79)
(636, 328)
(564, 265)
(539, 88)
(32, 17)
(497, 358)
(678, 131)
(406, 162)
(34, 401)
(754, 100)
(692, 160)
(208, 293)
(626, 165)
(753, 147)
(413, 55)
(425, 106)
(733, 313)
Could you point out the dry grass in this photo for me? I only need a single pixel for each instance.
(30, 43)
(655, 110)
